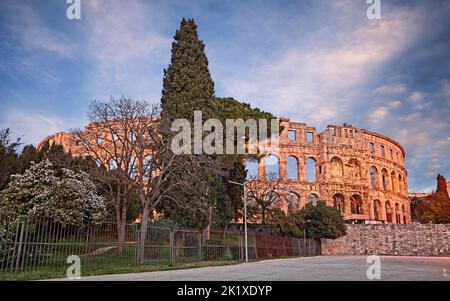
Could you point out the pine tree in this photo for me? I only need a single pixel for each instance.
(187, 82)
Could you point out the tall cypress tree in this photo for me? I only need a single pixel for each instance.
(187, 82)
(188, 87)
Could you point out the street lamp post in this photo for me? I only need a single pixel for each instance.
(245, 216)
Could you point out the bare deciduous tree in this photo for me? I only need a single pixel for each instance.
(129, 143)
(263, 195)
(119, 138)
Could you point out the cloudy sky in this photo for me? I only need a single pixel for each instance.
(319, 62)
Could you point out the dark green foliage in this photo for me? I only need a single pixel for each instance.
(223, 211)
(322, 221)
(229, 107)
(316, 221)
(286, 225)
(236, 173)
(187, 84)
(165, 223)
(194, 216)
(9, 159)
(29, 154)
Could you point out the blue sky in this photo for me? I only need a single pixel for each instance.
(319, 62)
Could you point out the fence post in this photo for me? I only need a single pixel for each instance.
(240, 247)
(10, 263)
(86, 244)
(172, 251)
(200, 243)
(256, 247)
(19, 250)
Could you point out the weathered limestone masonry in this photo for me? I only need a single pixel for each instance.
(359, 172)
(403, 240)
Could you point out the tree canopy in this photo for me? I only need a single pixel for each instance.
(65, 197)
(187, 84)
(434, 208)
(314, 221)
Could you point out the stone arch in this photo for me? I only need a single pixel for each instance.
(292, 168)
(384, 179)
(337, 167)
(393, 180)
(388, 209)
(339, 202)
(354, 168)
(398, 219)
(400, 183)
(373, 177)
(272, 164)
(251, 167)
(293, 201)
(313, 198)
(311, 169)
(404, 213)
(377, 210)
(356, 204)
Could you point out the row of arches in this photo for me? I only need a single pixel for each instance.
(386, 181)
(387, 213)
(378, 180)
(271, 162)
(352, 168)
(293, 200)
(356, 203)
(376, 210)
(272, 168)
(396, 213)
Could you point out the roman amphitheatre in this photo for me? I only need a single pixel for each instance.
(359, 172)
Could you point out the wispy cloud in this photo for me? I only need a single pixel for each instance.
(30, 126)
(305, 80)
(36, 35)
(122, 43)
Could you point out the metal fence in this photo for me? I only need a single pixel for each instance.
(36, 244)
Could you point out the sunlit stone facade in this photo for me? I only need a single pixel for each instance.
(359, 172)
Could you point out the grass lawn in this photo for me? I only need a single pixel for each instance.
(92, 270)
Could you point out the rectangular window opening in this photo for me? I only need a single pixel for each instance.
(291, 135)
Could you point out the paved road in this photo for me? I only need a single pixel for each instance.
(310, 268)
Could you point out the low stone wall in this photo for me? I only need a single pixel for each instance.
(391, 239)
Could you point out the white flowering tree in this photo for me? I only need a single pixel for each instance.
(62, 196)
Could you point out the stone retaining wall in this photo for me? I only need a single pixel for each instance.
(393, 239)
